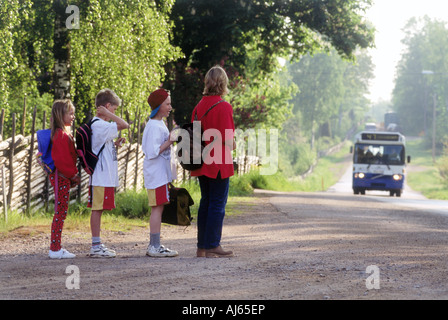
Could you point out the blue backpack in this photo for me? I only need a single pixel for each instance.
(44, 151)
(45, 160)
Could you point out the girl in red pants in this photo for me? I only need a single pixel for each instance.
(64, 156)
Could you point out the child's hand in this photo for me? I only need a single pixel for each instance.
(102, 111)
(174, 135)
(119, 142)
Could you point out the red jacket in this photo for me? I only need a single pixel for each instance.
(221, 119)
(64, 154)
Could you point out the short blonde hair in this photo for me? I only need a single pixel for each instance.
(216, 82)
(106, 96)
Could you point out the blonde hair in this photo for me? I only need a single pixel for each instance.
(216, 82)
(106, 96)
(59, 109)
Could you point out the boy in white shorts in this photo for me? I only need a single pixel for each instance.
(156, 145)
(104, 179)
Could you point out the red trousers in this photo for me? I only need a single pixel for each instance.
(62, 201)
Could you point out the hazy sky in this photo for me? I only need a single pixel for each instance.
(389, 18)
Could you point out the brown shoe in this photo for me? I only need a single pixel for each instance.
(218, 252)
(200, 253)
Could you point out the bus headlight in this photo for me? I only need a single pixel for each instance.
(397, 177)
(360, 175)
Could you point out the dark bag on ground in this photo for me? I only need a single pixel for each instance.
(177, 212)
(195, 160)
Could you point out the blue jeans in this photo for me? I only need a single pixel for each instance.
(214, 193)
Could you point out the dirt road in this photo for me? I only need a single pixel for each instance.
(288, 246)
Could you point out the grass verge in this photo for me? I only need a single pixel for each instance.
(423, 175)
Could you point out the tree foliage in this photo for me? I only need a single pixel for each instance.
(135, 46)
(24, 58)
(10, 19)
(241, 33)
(330, 102)
(122, 45)
(332, 92)
(422, 75)
(207, 31)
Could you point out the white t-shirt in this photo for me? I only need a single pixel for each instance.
(156, 168)
(106, 170)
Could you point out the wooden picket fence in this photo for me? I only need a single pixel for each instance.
(26, 188)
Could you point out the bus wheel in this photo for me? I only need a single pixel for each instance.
(391, 193)
(355, 191)
(398, 193)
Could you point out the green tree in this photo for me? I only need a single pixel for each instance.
(9, 20)
(330, 103)
(230, 32)
(23, 59)
(260, 100)
(122, 45)
(331, 89)
(422, 74)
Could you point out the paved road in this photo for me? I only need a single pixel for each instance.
(288, 246)
(405, 238)
(409, 198)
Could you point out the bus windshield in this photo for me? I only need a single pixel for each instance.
(379, 154)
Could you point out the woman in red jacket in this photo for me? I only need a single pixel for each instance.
(64, 156)
(214, 174)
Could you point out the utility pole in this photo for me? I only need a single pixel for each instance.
(434, 123)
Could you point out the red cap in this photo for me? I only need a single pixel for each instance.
(156, 98)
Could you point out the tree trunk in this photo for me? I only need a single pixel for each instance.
(61, 51)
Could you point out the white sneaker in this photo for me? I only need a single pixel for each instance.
(160, 252)
(102, 252)
(61, 254)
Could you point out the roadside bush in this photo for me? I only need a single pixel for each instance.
(132, 204)
(442, 163)
(240, 186)
(442, 166)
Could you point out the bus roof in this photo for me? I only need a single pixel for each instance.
(380, 137)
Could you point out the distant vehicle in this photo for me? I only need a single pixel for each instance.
(370, 126)
(379, 162)
(391, 122)
(392, 127)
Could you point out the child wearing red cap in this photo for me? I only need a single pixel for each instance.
(156, 145)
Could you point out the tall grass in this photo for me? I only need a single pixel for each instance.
(326, 173)
(424, 175)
